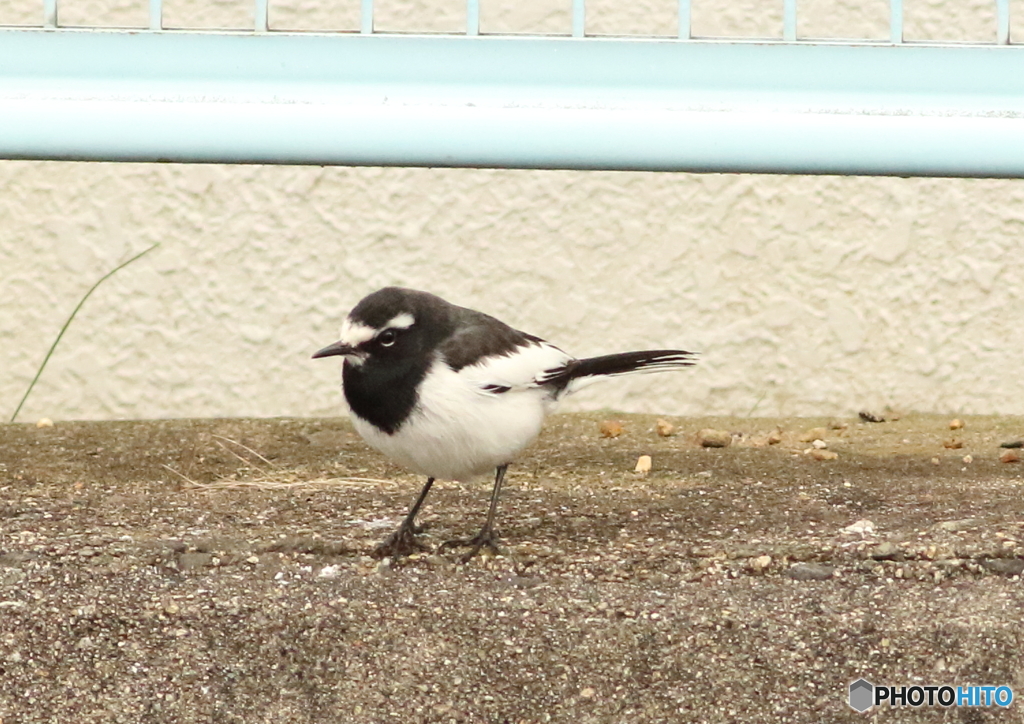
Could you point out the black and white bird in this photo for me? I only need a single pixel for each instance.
(452, 393)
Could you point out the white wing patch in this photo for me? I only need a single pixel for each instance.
(523, 369)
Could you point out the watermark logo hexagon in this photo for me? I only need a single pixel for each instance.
(862, 695)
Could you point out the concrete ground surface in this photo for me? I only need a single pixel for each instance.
(218, 570)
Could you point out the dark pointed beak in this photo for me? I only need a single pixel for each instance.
(333, 350)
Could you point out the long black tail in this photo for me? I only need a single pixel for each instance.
(624, 363)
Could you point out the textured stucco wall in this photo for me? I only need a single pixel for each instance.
(923, 19)
(805, 295)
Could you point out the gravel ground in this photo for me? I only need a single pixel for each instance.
(218, 570)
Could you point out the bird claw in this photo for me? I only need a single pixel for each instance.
(487, 537)
(400, 543)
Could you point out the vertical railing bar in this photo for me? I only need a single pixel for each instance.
(1003, 22)
(896, 21)
(472, 17)
(262, 16)
(789, 20)
(156, 14)
(49, 13)
(366, 22)
(579, 18)
(685, 27)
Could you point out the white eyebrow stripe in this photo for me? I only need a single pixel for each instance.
(401, 321)
(355, 333)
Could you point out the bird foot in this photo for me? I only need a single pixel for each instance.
(400, 543)
(486, 537)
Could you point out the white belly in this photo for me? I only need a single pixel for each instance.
(457, 432)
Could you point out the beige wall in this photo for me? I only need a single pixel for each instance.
(805, 295)
(924, 19)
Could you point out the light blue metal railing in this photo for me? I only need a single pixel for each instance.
(685, 20)
(1003, 22)
(473, 17)
(786, 104)
(789, 20)
(156, 14)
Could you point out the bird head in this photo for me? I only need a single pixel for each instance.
(388, 326)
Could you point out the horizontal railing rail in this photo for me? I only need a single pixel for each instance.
(788, 105)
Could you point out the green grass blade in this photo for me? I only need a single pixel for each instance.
(67, 324)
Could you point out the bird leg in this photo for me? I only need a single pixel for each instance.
(403, 541)
(487, 535)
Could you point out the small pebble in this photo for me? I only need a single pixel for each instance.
(819, 444)
(956, 424)
(968, 459)
(860, 527)
(815, 433)
(1010, 456)
(823, 454)
(1013, 444)
(962, 524)
(714, 438)
(664, 428)
(44, 422)
(953, 444)
(611, 428)
(870, 416)
(643, 464)
(885, 551)
(587, 693)
(810, 572)
(1004, 566)
(775, 437)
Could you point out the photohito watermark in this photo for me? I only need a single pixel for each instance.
(864, 695)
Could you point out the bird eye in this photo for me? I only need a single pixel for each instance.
(387, 337)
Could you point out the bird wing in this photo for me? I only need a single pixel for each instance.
(496, 358)
(524, 367)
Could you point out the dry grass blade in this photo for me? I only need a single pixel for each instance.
(269, 484)
(281, 481)
(184, 477)
(272, 477)
(247, 463)
(244, 447)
